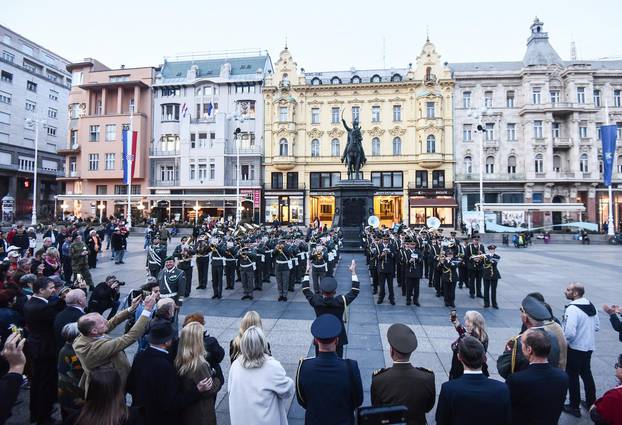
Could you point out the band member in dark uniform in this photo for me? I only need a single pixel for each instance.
(155, 257)
(386, 269)
(183, 253)
(218, 264)
(448, 268)
(230, 263)
(491, 276)
(319, 266)
(282, 268)
(248, 266)
(474, 257)
(202, 258)
(413, 270)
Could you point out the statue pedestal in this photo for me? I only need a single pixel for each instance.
(354, 204)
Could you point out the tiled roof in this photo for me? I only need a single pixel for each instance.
(211, 67)
(517, 66)
(346, 76)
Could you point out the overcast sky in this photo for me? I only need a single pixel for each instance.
(321, 34)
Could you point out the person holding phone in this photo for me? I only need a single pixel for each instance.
(475, 326)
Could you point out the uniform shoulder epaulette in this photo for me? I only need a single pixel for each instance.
(379, 371)
(424, 369)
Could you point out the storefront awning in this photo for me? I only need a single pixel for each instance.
(547, 206)
(433, 202)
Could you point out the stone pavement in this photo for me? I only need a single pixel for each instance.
(547, 269)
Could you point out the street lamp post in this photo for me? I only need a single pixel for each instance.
(101, 207)
(236, 139)
(482, 131)
(33, 122)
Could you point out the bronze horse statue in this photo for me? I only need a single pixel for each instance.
(353, 154)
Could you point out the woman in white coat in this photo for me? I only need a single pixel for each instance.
(259, 390)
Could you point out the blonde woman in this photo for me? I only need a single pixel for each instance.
(192, 368)
(251, 318)
(475, 326)
(259, 389)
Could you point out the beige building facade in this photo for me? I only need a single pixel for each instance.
(406, 119)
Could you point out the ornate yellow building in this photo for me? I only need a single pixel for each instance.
(406, 118)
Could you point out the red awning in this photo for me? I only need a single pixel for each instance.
(433, 202)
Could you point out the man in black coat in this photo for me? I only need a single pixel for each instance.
(473, 399)
(386, 269)
(40, 348)
(75, 301)
(153, 381)
(613, 312)
(328, 303)
(537, 393)
(105, 296)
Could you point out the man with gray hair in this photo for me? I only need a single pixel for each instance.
(75, 301)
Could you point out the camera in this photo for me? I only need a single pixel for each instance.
(120, 283)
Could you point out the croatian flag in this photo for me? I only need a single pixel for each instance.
(608, 135)
(129, 154)
(184, 109)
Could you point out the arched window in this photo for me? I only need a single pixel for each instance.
(431, 144)
(376, 78)
(620, 164)
(583, 163)
(468, 165)
(285, 80)
(335, 147)
(601, 165)
(316, 81)
(396, 78)
(315, 147)
(557, 163)
(375, 146)
(428, 73)
(511, 164)
(283, 147)
(335, 80)
(355, 79)
(490, 165)
(397, 146)
(539, 163)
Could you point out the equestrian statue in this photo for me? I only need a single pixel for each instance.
(353, 154)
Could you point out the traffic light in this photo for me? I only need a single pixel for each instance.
(26, 184)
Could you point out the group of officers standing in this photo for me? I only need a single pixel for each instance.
(445, 261)
(249, 254)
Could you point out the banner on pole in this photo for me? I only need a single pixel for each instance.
(129, 154)
(608, 135)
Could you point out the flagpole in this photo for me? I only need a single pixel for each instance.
(610, 229)
(129, 170)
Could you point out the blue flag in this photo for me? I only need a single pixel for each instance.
(608, 135)
(210, 107)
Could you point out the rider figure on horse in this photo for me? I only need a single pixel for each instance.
(353, 154)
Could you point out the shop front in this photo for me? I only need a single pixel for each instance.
(388, 207)
(603, 208)
(424, 204)
(323, 207)
(286, 207)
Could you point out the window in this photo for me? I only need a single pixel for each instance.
(388, 179)
(5, 118)
(375, 114)
(511, 130)
(537, 129)
(7, 77)
(511, 164)
(556, 130)
(490, 165)
(554, 96)
(53, 95)
(121, 189)
(32, 86)
(170, 91)
(468, 165)
(276, 181)
(396, 78)
(583, 163)
(323, 180)
(292, 180)
(52, 113)
(101, 189)
(598, 130)
(51, 130)
(315, 147)
(109, 161)
(580, 94)
(617, 98)
(167, 173)
(283, 147)
(397, 146)
(557, 163)
(596, 98)
(93, 161)
(397, 113)
(539, 163)
(421, 179)
(431, 144)
(5, 97)
(283, 113)
(193, 172)
(488, 99)
(76, 78)
(170, 111)
(202, 174)
(94, 133)
(334, 115)
(375, 146)
(335, 80)
(509, 99)
(119, 78)
(111, 130)
(536, 95)
(26, 164)
(355, 80)
(467, 132)
(212, 169)
(30, 106)
(335, 149)
(583, 129)
(9, 57)
(430, 112)
(466, 99)
(620, 164)
(601, 166)
(376, 78)
(73, 138)
(245, 172)
(356, 113)
(315, 115)
(74, 111)
(490, 131)
(316, 81)
(438, 179)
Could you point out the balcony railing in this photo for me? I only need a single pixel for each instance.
(243, 183)
(230, 149)
(158, 150)
(164, 183)
(562, 142)
(491, 177)
(203, 120)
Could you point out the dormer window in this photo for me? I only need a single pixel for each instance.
(376, 78)
(335, 80)
(316, 81)
(355, 80)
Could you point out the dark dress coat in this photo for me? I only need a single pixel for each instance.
(68, 315)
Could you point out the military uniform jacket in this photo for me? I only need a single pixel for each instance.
(184, 260)
(155, 256)
(413, 268)
(386, 259)
(218, 259)
(333, 305)
(471, 251)
(247, 261)
(77, 259)
(490, 267)
(282, 260)
(374, 249)
(448, 269)
(319, 263)
(405, 385)
(172, 283)
(513, 360)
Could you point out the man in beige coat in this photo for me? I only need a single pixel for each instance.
(95, 348)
